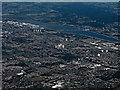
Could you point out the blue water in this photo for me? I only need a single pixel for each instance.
(72, 30)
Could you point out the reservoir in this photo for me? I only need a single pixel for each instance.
(72, 30)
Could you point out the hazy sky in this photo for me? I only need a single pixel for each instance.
(60, 0)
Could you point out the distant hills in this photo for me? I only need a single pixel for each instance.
(101, 12)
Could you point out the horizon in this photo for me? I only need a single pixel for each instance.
(59, 1)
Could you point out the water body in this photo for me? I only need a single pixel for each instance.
(72, 30)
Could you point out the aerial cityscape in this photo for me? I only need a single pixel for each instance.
(63, 45)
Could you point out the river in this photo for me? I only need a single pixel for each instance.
(72, 30)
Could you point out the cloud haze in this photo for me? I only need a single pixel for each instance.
(59, 0)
